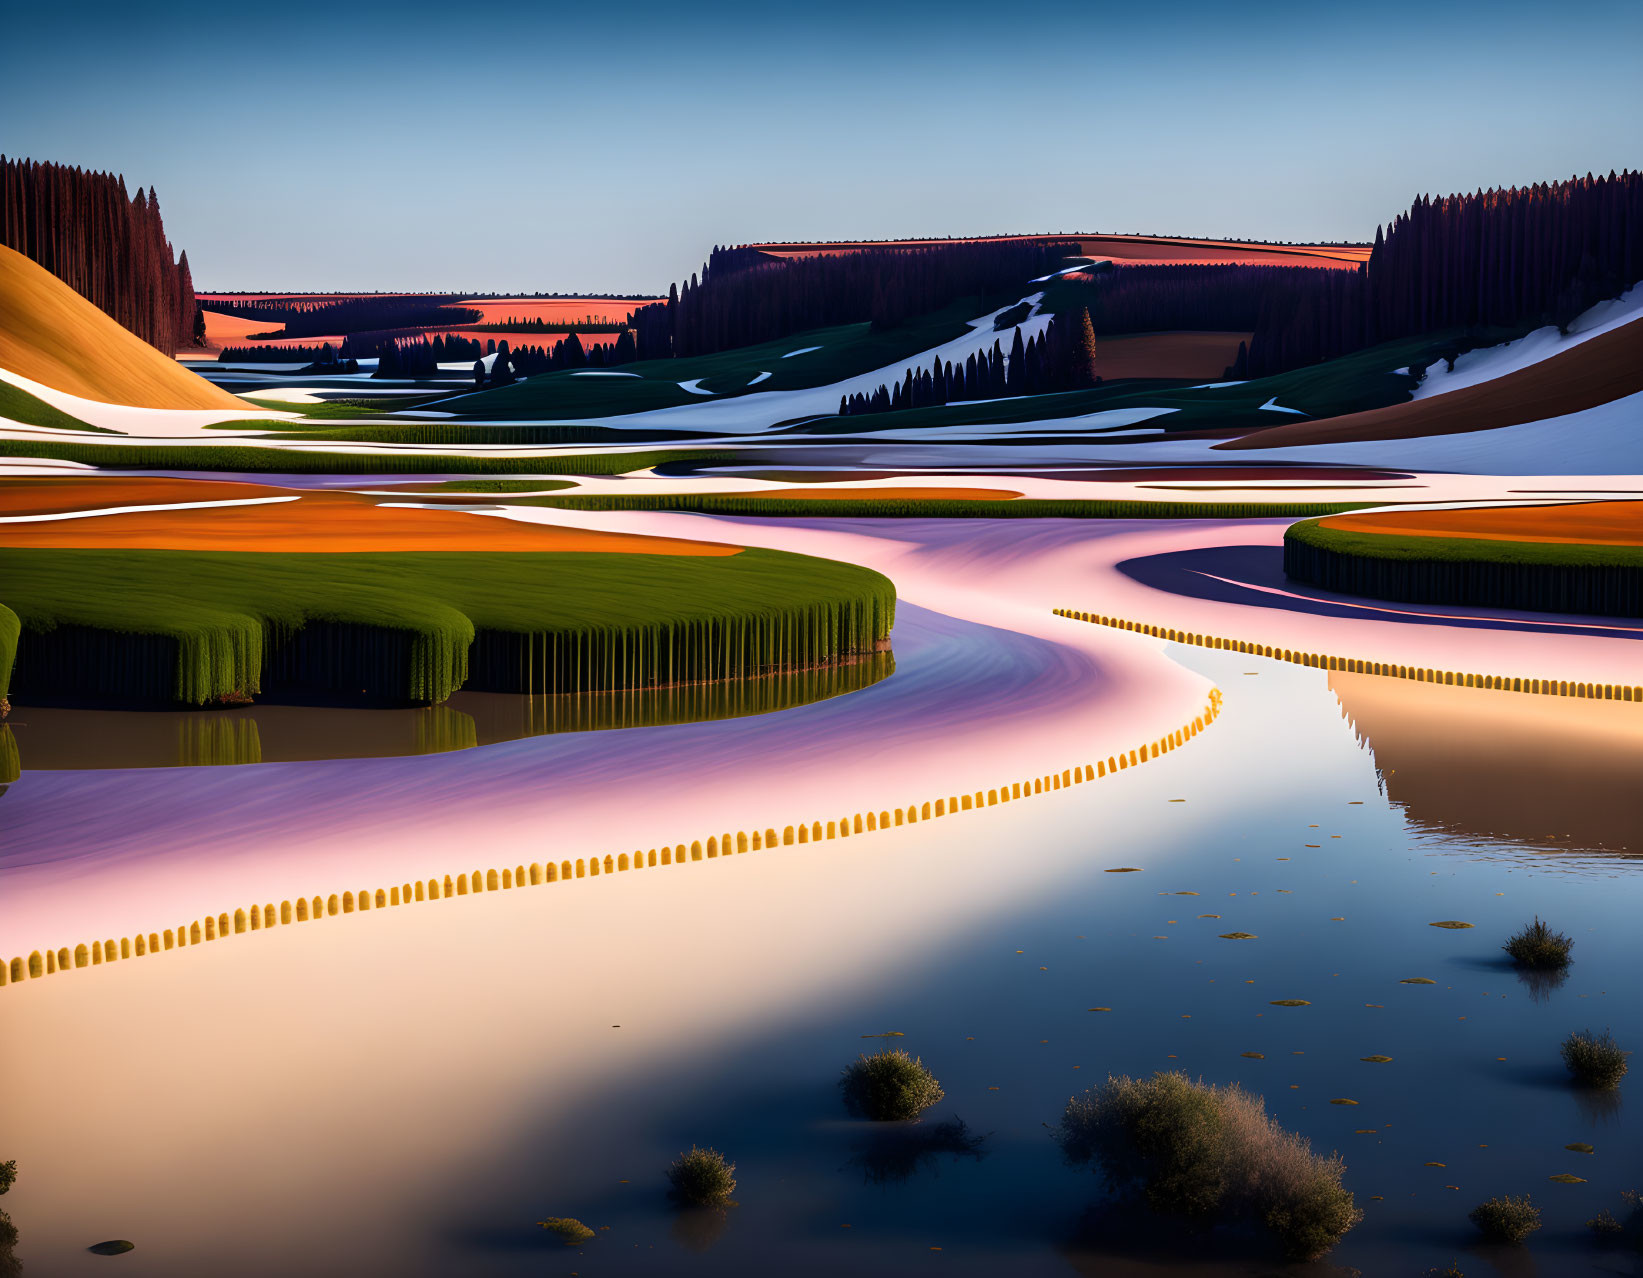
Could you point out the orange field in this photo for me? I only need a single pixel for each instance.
(51, 335)
(604, 310)
(1600, 523)
(1200, 356)
(1595, 372)
(315, 523)
(1135, 249)
(59, 495)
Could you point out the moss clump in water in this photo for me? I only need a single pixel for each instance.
(1239, 936)
(1535, 945)
(889, 1086)
(1564, 1178)
(702, 1177)
(573, 1231)
(1375, 1060)
(1290, 1002)
(1455, 924)
(1417, 980)
(1595, 1060)
(113, 1247)
(1506, 1219)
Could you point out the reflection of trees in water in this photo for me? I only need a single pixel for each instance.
(899, 1153)
(698, 1228)
(1542, 982)
(53, 739)
(1599, 1107)
(1509, 772)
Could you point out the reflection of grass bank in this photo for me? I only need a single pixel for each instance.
(197, 627)
(1363, 665)
(305, 909)
(55, 738)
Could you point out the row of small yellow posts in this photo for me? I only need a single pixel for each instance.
(1355, 665)
(307, 909)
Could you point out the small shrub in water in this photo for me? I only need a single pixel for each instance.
(573, 1231)
(1604, 1225)
(889, 1086)
(1450, 1270)
(1506, 1219)
(1595, 1060)
(1537, 946)
(1213, 1154)
(702, 1177)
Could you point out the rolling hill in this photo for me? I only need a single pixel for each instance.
(51, 335)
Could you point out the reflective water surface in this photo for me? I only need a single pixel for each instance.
(409, 1091)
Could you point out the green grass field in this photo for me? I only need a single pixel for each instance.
(194, 627)
(1536, 576)
(1354, 383)
(845, 351)
(1463, 550)
(30, 410)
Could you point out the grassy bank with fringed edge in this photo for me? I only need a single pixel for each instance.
(1540, 576)
(260, 917)
(250, 460)
(1363, 665)
(870, 507)
(10, 627)
(195, 627)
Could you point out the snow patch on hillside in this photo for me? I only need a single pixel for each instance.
(152, 422)
(1491, 362)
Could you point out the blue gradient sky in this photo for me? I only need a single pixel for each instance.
(511, 146)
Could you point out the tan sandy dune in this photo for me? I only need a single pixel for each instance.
(51, 335)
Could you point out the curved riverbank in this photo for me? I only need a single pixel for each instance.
(1584, 558)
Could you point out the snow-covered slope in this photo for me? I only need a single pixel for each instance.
(1496, 361)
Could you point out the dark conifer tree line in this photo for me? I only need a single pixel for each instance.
(745, 296)
(1536, 254)
(1062, 359)
(311, 317)
(104, 243)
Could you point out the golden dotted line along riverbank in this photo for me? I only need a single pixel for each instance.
(309, 909)
(1357, 665)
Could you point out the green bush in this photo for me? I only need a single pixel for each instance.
(1212, 1154)
(888, 1086)
(1595, 1060)
(1506, 1219)
(702, 1177)
(1537, 946)
(573, 1231)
